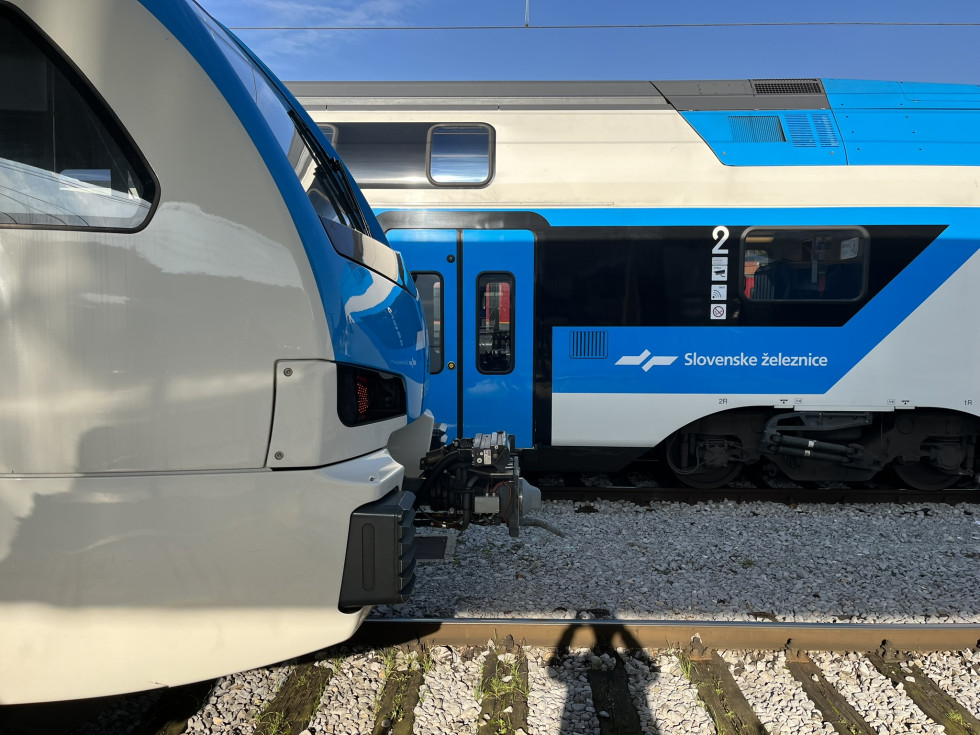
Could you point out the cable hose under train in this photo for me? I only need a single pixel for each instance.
(527, 521)
(435, 472)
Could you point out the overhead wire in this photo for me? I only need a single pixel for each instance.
(614, 26)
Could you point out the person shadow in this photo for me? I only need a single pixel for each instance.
(618, 671)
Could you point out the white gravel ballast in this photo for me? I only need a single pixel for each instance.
(723, 561)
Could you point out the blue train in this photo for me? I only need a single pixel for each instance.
(717, 273)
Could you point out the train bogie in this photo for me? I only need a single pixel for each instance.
(927, 450)
(717, 273)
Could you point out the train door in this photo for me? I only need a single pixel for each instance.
(497, 329)
(430, 256)
(477, 289)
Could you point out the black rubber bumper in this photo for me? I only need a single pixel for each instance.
(380, 564)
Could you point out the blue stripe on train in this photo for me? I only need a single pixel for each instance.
(843, 347)
(754, 360)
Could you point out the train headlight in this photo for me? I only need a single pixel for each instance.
(365, 395)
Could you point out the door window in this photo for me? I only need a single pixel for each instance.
(495, 323)
(429, 286)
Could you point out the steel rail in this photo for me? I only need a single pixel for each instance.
(671, 634)
(802, 496)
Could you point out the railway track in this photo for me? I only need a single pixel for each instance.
(651, 484)
(675, 634)
(786, 496)
(494, 677)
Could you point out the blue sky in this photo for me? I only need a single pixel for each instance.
(903, 53)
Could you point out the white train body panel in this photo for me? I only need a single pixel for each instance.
(645, 159)
(196, 579)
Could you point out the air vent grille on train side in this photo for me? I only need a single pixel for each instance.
(590, 344)
(808, 130)
(826, 130)
(787, 86)
(800, 131)
(756, 129)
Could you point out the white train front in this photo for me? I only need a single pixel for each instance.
(713, 273)
(206, 354)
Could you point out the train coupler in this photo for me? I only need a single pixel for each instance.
(477, 480)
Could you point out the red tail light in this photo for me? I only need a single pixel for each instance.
(365, 395)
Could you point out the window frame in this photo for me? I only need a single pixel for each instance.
(511, 280)
(491, 156)
(101, 110)
(864, 260)
(332, 135)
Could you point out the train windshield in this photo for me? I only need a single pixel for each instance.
(65, 161)
(323, 177)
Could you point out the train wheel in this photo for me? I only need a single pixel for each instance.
(925, 477)
(702, 462)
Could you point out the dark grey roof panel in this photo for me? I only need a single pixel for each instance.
(746, 94)
(477, 95)
(740, 94)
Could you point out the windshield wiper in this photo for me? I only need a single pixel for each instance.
(334, 173)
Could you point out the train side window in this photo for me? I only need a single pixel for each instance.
(429, 286)
(804, 264)
(414, 155)
(65, 160)
(382, 155)
(495, 323)
(460, 155)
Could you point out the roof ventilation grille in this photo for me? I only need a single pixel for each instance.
(800, 131)
(787, 86)
(826, 131)
(756, 129)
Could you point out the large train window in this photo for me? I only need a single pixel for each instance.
(804, 264)
(495, 323)
(382, 155)
(64, 159)
(429, 286)
(460, 155)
